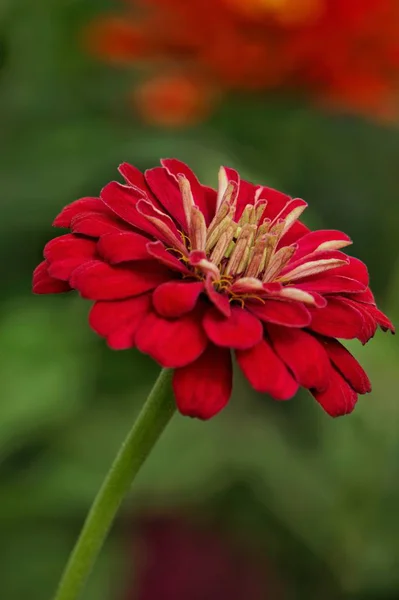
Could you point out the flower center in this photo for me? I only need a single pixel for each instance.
(247, 248)
(232, 249)
(241, 253)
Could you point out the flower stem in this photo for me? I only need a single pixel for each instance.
(153, 418)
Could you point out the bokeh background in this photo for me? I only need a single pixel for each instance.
(267, 500)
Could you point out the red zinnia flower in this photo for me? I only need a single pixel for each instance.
(186, 274)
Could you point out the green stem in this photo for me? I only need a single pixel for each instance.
(153, 418)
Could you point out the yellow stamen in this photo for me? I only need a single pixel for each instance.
(254, 297)
(179, 253)
(186, 239)
(237, 299)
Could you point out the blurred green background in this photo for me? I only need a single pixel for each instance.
(315, 497)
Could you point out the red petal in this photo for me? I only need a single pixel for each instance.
(233, 176)
(325, 254)
(339, 398)
(271, 288)
(294, 233)
(172, 343)
(356, 269)
(347, 365)
(66, 253)
(97, 280)
(303, 354)
(292, 204)
(163, 224)
(44, 284)
(381, 319)
(79, 206)
(241, 330)
(221, 301)
(175, 167)
(134, 177)
(266, 372)
(337, 319)
(246, 195)
(123, 246)
(244, 287)
(366, 297)
(210, 199)
(122, 200)
(288, 292)
(331, 284)
(199, 259)
(68, 246)
(96, 224)
(312, 240)
(158, 251)
(166, 190)
(119, 320)
(228, 176)
(204, 387)
(291, 314)
(369, 323)
(63, 269)
(275, 201)
(175, 298)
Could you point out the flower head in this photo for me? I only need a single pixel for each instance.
(188, 274)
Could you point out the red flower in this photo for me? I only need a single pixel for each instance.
(186, 274)
(342, 54)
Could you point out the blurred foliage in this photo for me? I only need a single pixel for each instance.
(67, 400)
